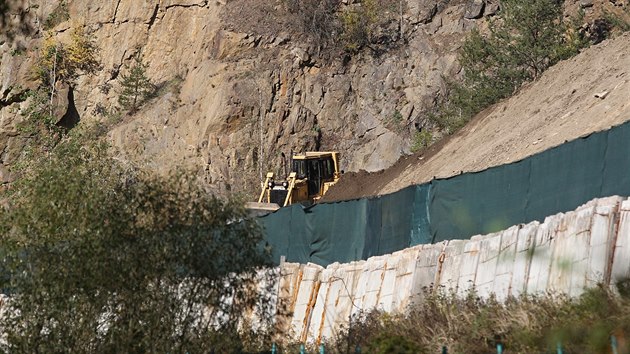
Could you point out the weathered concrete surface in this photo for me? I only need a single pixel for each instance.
(566, 253)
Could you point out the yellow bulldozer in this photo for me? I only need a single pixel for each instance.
(311, 175)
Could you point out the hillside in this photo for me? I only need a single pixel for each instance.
(239, 83)
(585, 94)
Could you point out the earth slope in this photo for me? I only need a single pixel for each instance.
(588, 93)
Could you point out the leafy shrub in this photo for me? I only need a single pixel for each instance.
(59, 15)
(368, 25)
(315, 18)
(64, 62)
(57, 63)
(421, 140)
(470, 324)
(99, 258)
(392, 344)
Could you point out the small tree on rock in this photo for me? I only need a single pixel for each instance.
(136, 87)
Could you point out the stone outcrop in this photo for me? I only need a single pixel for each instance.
(230, 102)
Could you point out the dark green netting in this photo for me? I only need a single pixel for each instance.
(617, 163)
(336, 231)
(565, 177)
(343, 231)
(556, 180)
(391, 215)
(420, 221)
(478, 203)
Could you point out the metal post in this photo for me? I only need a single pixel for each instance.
(322, 349)
(613, 344)
(274, 349)
(559, 348)
(302, 350)
(499, 348)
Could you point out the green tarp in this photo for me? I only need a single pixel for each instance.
(556, 180)
(343, 231)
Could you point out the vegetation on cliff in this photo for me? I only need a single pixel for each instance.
(521, 42)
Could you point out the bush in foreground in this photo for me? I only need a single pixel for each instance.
(97, 258)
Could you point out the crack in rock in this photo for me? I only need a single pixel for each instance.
(153, 16)
(116, 11)
(202, 4)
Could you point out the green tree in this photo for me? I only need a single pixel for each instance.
(525, 39)
(98, 258)
(136, 86)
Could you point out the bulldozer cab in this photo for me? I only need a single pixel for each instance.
(316, 169)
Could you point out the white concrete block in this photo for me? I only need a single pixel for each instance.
(580, 239)
(505, 263)
(362, 288)
(305, 296)
(318, 313)
(449, 275)
(426, 268)
(541, 256)
(468, 266)
(387, 290)
(570, 245)
(559, 279)
(376, 276)
(603, 231)
(489, 248)
(621, 259)
(333, 312)
(340, 304)
(403, 286)
(523, 257)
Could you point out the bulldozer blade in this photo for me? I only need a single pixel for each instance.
(260, 209)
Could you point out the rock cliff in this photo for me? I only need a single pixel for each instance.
(236, 86)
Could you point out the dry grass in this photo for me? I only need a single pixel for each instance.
(529, 324)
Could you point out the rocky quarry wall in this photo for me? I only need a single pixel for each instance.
(238, 84)
(234, 97)
(566, 253)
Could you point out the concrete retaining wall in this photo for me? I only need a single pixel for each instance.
(566, 253)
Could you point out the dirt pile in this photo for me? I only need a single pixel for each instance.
(588, 93)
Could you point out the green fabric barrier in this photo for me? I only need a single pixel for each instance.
(617, 163)
(321, 234)
(420, 219)
(389, 223)
(479, 202)
(556, 180)
(342, 231)
(565, 177)
(337, 231)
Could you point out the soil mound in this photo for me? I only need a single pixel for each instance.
(582, 95)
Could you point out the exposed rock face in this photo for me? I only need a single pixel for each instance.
(229, 102)
(474, 9)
